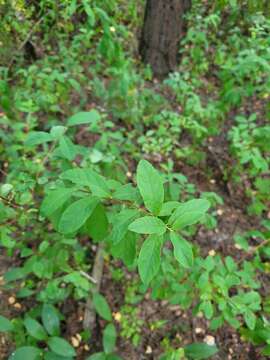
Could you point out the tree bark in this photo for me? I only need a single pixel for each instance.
(163, 29)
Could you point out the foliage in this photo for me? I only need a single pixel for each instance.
(78, 115)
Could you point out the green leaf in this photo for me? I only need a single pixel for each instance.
(241, 241)
(120, 224)
(216, 323)
(266, 350)
(150, 258)
(207, 308)
(168, 207)
(126, 192)
(58, 131)
(87, 177)
(61, 347)
(113, 357)
(14, 274)
(151, 186)
(50, 319)
(77, 280)
(5, 324)
(76, 214)
(102, 307)
(109, 338)
(37, 137)
(96, 156)
(84, 117)
(148, 225)
(182, 250)
(250, 319)
(188, 213)
(35, 329)
(67, 148)
(200, 351)
(97, 224)
(54, 200)
(26, 352)
(52, 356)
(125, 249)
(97, 356)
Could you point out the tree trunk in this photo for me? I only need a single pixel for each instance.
(163, 29)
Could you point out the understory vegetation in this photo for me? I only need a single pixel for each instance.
(134, 211)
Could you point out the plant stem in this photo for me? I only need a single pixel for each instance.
(90, 313)
(253, 250)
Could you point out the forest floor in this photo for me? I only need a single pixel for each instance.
(181, 326)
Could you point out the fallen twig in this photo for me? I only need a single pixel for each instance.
(88, 277)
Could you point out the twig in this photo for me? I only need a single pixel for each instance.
(253, 250)
(90, 313)
(11, 203)
(88, 277)
(9, 222)
(3, 172)
(30, 33)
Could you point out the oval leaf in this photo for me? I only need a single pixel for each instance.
(148, 225)
(188, 213)
(102, 307)
(83, 117)
(87, 177)
(50, 319)
(151, 186)
(182, 250)
(35, 329)
(97, 224)
(120, 224)
(109, 338)
(149, 258)
(52, 356)
(14, 274)
(125, 249)
(61, 347)
(54, 200)
(76, 214)
(67, 148)
(26, 352)
(168, 207)
(200, 351)
(97, 356)
(5, 324)
(250, 319)
(37, 137)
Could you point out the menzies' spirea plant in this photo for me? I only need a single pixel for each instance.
(86, 202)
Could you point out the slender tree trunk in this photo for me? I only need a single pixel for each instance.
(89, 320)
(162, 31)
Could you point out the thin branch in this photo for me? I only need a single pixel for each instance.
(11, 203)
(30, 33)
(253, 250)
(88, 277)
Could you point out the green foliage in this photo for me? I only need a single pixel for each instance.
(35, 329)
(77, 115)
(26, 352)
(5, 324)
(150, 186)
(102, 306)
(109, 338)
(149, 258)
(61, 347)
(200, 351)
(50, 319)
(182, 250)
